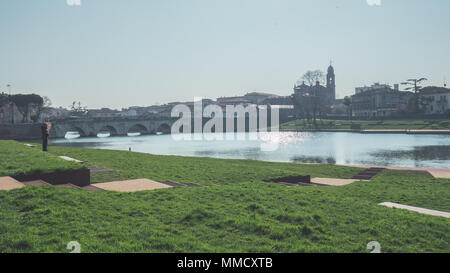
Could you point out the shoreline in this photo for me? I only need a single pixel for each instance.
(376, 131)
(365, 131)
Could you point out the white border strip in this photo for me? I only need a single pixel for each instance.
(416, 209)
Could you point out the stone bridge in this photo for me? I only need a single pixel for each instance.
(115, 126)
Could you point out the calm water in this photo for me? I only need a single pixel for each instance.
(334, 148)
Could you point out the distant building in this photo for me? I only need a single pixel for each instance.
(374, 87)
(233, 101)
(379, 100)
(279, 100)
(323, 97)
(128, 113)
(50, 113)
(436, 100)
(258, 97)
(249, 98)
(102, 113)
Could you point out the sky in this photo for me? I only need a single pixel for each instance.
(121, 53)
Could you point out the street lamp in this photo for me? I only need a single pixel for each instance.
(9, 88)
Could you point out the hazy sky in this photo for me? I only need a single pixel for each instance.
(120, 53)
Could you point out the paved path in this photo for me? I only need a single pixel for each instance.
(8, 183)
(132, 185)
(416, 209)
(436, 173)
(333, 181)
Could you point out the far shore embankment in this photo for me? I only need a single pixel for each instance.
(375, 131)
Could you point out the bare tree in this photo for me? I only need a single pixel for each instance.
(313, 76)
(77, 109)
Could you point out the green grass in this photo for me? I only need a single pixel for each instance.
(345, 124)
(200, 170)
(237, 212)
(16, 158)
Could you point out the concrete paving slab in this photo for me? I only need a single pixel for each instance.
(132, 185)
(333, 181)
(36, 183)
(8, 183)
(91, 188)
(416, 209)
(440, 173)
(70, 159)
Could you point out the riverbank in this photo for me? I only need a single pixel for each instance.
(375, 131)
(236, 212)
(414, 126)
(17, 159)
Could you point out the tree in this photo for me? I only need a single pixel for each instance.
(24, 102)
(348, 103)
(47, 102)
(77, 109)
(311, 77)
(46, 106)
(413, 84)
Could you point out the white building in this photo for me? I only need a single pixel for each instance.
(436, 100)
(374, 87)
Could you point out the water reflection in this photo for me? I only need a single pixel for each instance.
(72, 135)
(331, 148)
(417, 153)
(314, 159)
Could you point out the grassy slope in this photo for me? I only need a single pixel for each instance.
(345, 124)
(206, 171)
(16, 158)
(240, 213)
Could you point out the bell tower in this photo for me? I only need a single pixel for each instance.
(331, 83)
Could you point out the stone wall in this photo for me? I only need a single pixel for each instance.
(20, 131)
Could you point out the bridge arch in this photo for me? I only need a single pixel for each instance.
(108, 128)
(138, 128)
(77, 129)
(164, 128)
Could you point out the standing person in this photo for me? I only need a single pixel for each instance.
(44, 129)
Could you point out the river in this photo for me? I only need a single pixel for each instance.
(402, 150)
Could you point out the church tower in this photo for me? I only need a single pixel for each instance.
(331, 83)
